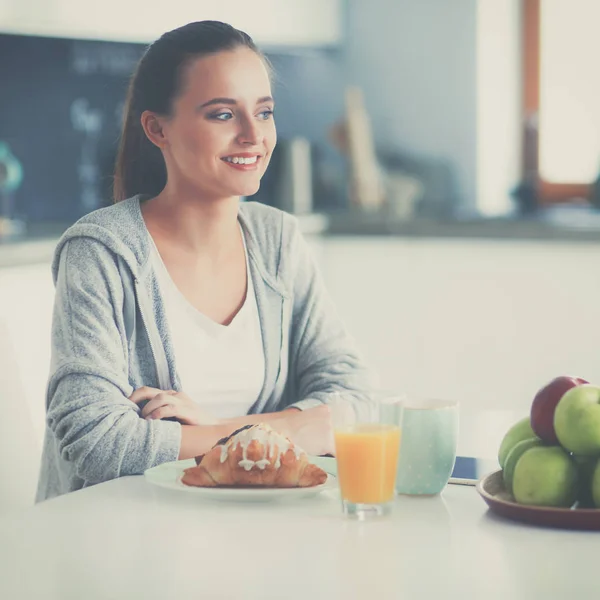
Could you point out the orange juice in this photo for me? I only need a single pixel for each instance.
(367, 458)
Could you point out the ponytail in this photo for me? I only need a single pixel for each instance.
(140, 166)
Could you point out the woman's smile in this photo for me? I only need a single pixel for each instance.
(243, 161)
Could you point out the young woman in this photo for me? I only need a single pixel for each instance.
(182, 314)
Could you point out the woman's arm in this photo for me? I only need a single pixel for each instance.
(97, 429)
(309, 429)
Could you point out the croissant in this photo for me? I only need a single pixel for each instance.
(254, 456)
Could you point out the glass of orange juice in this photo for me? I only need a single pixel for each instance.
(366, 429)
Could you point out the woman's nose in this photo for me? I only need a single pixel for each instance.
(250, 133)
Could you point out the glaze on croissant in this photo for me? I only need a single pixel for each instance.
(254, 456)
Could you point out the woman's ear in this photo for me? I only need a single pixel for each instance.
(152, 125)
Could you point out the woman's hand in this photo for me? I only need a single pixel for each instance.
(164, 404)
(311, 429)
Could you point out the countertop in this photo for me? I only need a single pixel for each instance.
(569, 227)
(33, 247)
(38, 244)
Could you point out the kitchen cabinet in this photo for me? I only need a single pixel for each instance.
(272, 23)
(480, 321)
(26, 302)
(26, 298)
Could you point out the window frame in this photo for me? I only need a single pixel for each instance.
(547, 192)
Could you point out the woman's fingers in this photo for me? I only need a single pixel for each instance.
(311, 429)
(162, 404)
(161, 399)
(147, 393)
(164, 412)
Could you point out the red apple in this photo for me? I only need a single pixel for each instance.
(544, 405)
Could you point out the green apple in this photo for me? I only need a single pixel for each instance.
(521, 430)
(596, 485)
(513, 457)
(577, 420)
(545, 476)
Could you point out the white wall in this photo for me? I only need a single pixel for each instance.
(276, 22)
(416, 61)
(499, 145)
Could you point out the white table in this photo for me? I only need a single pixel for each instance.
(128, 539)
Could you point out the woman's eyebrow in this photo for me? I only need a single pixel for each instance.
(233, 102)
(218, 101)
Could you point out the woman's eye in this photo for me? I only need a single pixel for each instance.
(265, 114)
(221, 116)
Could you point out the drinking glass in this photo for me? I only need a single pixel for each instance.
(366, 430)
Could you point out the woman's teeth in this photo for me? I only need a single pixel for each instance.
(240, 160)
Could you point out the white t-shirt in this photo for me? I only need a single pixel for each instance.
(221, 367)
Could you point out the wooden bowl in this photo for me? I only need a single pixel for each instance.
(491, 489)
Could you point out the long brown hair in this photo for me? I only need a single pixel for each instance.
(156, 83)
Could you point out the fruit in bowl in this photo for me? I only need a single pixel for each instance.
(544, 406)
(520, 431)
(551, 459)
(577, 420)
(545, 476)
(513, 458)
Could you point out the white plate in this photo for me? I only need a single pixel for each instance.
(168, 475)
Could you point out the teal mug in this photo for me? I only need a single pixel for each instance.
(429, 434)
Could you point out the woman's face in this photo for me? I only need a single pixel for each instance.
(220, 136)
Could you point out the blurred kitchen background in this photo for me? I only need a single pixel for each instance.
(442, 156)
